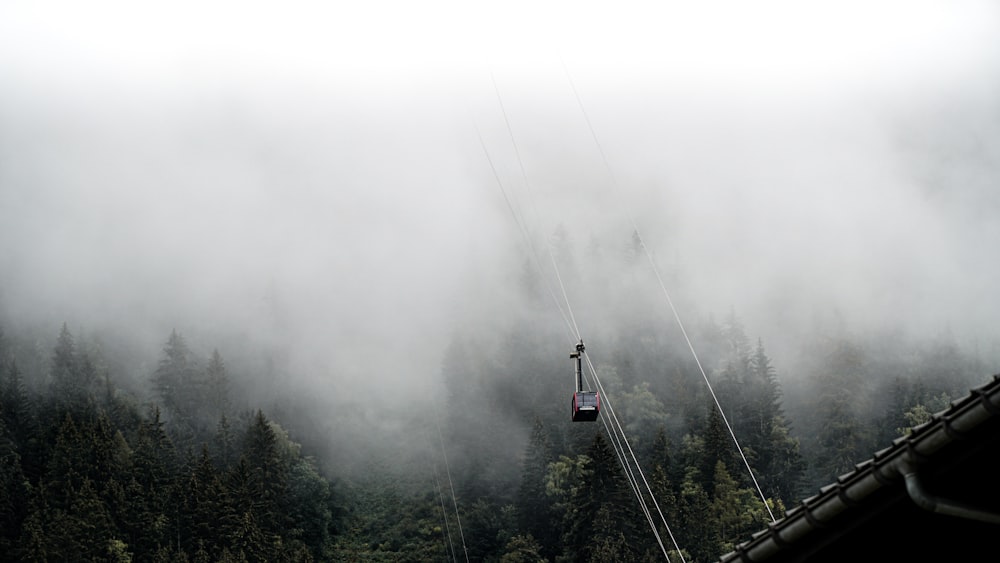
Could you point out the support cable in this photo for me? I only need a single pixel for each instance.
(522, 228)
(663, 287)
(451, 486)
(444, 511)
(633, 484)
(649, 489)
(527, 188)
(619, 450)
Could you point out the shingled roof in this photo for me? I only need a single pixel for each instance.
(933, 495)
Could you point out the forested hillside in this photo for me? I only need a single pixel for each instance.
(105, 462)
(93, 473)
(300, 281)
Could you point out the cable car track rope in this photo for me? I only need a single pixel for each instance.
(666, 294)
(527, 189)
(451, 486)
(611, 410)
(571, 325)
(444, 511)
(615, 429)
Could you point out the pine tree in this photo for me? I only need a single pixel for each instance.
(730, 517)
(698, 535)
(68, 380)
(176, 381)
(204, 503)
(843, 439)
(311, 507)
(149, 489)
(217, 386)
(602, 508)
(522, 549)
(534, 506)
(90, 527)
(225, 444)
(660, 481)
(762, 407)
(250, 542)
(13, 493)
(67, 465)
(776, 453)
(33, 544)
(269, 471)
(718, 448)
(18, 414)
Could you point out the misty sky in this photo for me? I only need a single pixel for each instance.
(311, 173)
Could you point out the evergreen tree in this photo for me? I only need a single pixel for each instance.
(762, 407)
(13, 493)
(775, 454)
(698, 535)
(217, 386)
(225, 444)
(250, 542)
(534, 506)
(149, 498)
(32, 545)
(311, 507)
(89, 528)
(602, 509)
(485, 531)
(719, 447)
(177, 382)
(730, 517)
(522, 549)
(661, 483)
(204, 503)
(17, 411)
(68, 379)
(67, 466)
(842, 394)
(269, 474)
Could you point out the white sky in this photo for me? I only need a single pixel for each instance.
(765, 135)
(718, 42)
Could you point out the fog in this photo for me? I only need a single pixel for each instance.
(308, 182)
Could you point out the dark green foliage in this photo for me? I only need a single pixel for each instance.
(311, 507)
(719, 448)
(216, 386)
(14, 490)
(65, 366)
(104, 491)
(522, 549)
(697, 532)
(389, 524)
(268, 485)
(603, 516)
(487, 528)
(534, 506)
(89, 470)
(175, 376)
(664, 491)
(842, 396)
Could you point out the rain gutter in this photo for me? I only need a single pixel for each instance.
(885, 469)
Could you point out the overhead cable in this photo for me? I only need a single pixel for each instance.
(663, 287)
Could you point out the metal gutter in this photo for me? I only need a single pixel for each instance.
(940, 505)
(886, 468)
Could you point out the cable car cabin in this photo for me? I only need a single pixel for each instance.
(586, 406)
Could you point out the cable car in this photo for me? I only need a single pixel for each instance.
(586, 405)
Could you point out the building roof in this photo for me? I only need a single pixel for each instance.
(933, 495)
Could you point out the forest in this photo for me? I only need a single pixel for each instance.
(300, 282)
(178, 460)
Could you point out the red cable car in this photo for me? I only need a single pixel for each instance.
(586, 405)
